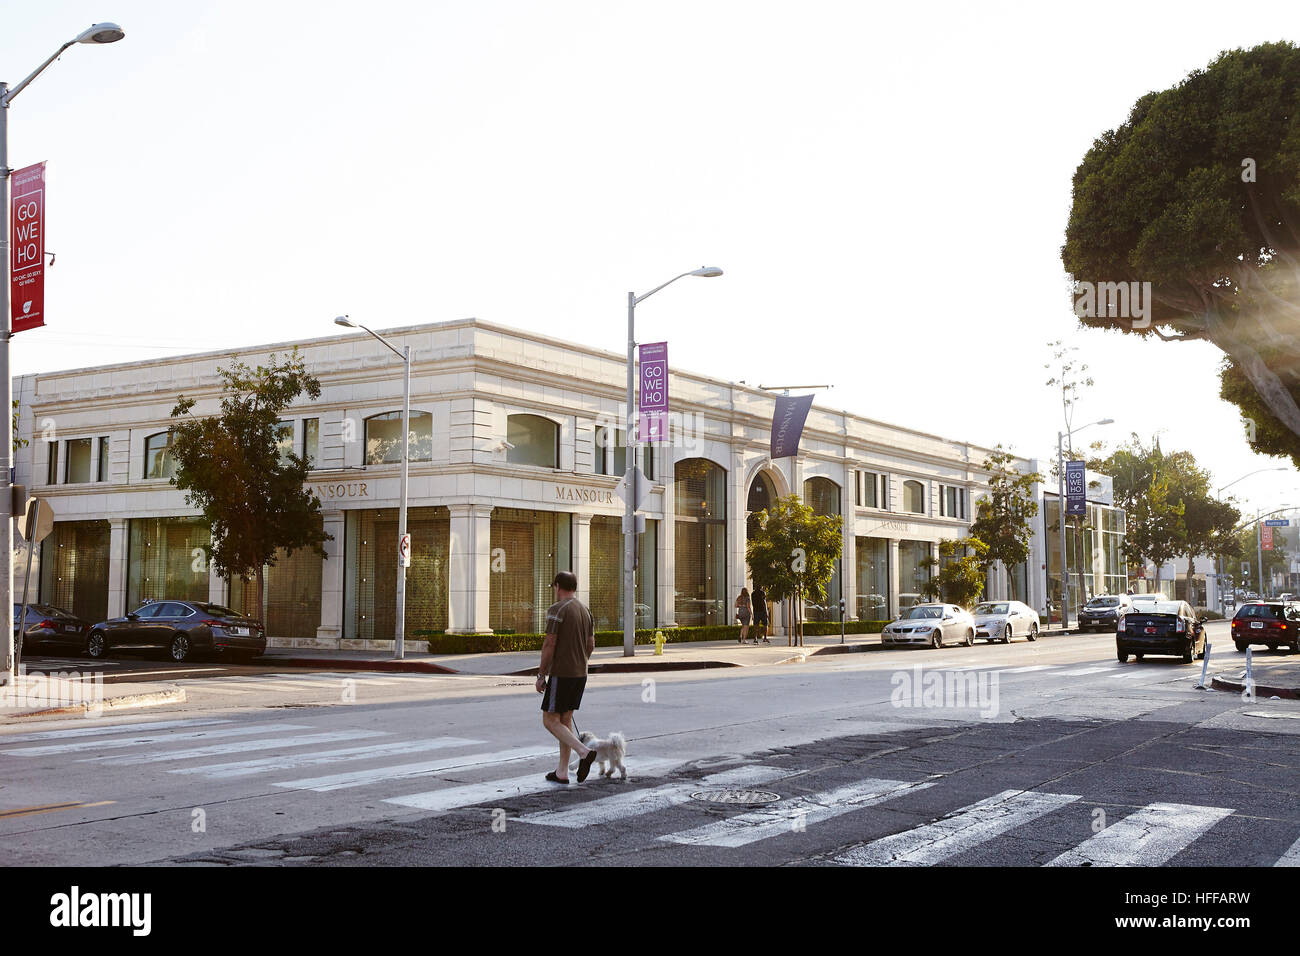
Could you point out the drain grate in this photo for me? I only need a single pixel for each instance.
(738, 797)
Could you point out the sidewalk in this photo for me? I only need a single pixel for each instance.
(79, 695)
(1276, 674)
(606, 660)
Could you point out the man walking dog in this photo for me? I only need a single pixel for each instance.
(562, 676)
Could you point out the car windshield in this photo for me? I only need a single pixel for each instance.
(925, 612)
(1104, 602)
(1270, 612)
(993, 609)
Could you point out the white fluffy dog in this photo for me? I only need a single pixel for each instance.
(609, 753)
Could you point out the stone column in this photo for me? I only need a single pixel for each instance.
(332, 581)
(469, 569)
(582, 557)
(118, 558)
(737, 569)
(217, 587)
(893, 610)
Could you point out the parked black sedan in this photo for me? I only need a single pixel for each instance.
(1160, 627)
(48, 625)
(183, 628)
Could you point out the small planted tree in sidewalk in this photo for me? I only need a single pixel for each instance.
(1004, 518)
(230, 466)
(792, 554)
(962, 568)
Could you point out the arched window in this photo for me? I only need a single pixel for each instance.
(914, 497)
(535, 441)
(384, 438)
(700, 541)
(158, 460)
(822, 495)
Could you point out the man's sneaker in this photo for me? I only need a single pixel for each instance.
(584, 765)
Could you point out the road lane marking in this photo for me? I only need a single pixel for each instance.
(244, 768)
(1031, 667)
(1086, 670)
(106, 729)
(786, 816)
(240, 746)
(638, 802)
(1147, 837)
(154, 739)
(1291, 857)
(957, 832)
(359, 778)
(467, 795)
(50, 808)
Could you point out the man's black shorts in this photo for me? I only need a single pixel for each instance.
(563, 694)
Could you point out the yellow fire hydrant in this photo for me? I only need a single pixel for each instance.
(660, 641)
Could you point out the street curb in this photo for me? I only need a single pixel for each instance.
(129, 702)
(410, 667)
(618, 667)
(1237, 687)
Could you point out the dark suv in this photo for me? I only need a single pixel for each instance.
(183, 628)
(1267, 622)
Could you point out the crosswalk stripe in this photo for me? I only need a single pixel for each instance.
(129, 741)
(113, 728)
(1031, 667)
(637, 802)
(358, 778)
(1132, 675)
(244, 768)
(242, 746)
(467, 795)
(788, 815)
(1291, 857)
(1147, 837)
(957, 832)
(1083, 671)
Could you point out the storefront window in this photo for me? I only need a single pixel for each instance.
(528, 548)
(872, 556)
(913, 573)
(293, 594)
(384, 438)
(167, 560)
(700, 540)
(607, 573)
(534, 440)
(370, 601)
(823, 496)
(74, 569)
(1094, 553)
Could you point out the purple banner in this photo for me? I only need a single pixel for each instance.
(1076, 488)
(653, 420)
(787, 424)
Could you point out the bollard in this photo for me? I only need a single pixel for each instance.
(841, 620)
(1205, 666)
(1249, 692)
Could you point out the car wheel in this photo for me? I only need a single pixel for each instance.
(1006, 637)
(970, 638)
(1272, 647)
(95, 646)
(1241, 646)
(1123, 656)
(1033, 631)
(1295, 646)
(180, 647)
(936, 639)
(1189, 654)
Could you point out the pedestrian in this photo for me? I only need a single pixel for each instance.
(760, 615)
(562, 675)
(742, 614)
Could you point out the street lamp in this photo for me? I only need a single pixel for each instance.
(405, 356)
(98, 33)
(630, 445)
(1218, 566)
(1060, 507)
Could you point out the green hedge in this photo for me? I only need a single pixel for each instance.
(442, 643)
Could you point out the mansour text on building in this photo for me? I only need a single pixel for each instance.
(516, 453)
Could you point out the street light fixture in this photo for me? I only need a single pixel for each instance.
(630, 460)
(98, 33)
(1060, 507)
(405, 356)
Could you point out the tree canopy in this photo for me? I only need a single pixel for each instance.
(792, 553)
(1004, 517)
(963, 567)
(1198, 193)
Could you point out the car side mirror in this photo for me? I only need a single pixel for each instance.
(133, 617)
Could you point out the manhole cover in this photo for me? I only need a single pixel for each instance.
(736, 796)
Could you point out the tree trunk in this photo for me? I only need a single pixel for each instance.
(261, 593)
(1191, 593)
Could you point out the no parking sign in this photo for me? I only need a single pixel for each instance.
(404, 551)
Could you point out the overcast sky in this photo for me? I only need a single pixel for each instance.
(885, 186)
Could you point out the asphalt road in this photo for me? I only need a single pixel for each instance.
(1029, 754)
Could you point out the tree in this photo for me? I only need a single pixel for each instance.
(18, 442)
(1066, 376)
(1248, 552)
(1004, 517)
(1207, 528)
(1145, 486)
(792, 554)
(1198, 194)
(963, 569)
(230, 466)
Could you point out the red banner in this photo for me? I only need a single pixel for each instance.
(1265, 538)
(27, 240)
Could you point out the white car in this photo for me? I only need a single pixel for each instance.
(1004, 621)
(932, 624)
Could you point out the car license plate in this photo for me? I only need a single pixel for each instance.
(1258, 624)
(239, 631)
(70, 627)
(1151, 630)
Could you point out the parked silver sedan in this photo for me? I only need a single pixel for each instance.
(1004, 621)
(933, 624)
